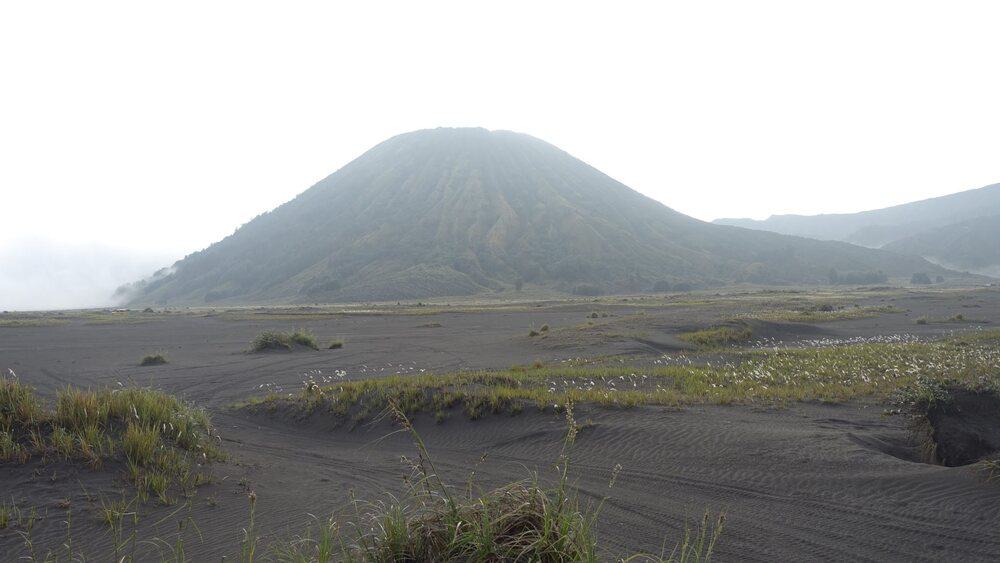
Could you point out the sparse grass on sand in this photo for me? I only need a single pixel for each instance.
(432, 521)
(718, 336)
(820, 314)
(336, 344)
(276, 340)
(832, 374)
(161, 441)
(31, 322)
(153, 359)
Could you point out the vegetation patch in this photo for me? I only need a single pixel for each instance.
(30, 322)
(336, 344)
(748, 376)
(954, 319)
(821, 314)
(276, 340)
(153, 360)
(162, 442)
(719, 336)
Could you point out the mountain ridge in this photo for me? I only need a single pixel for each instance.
(877, 227)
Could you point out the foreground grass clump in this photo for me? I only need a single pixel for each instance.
(835, 374)
(153, 360)
(160, 440)
(336, 344)
(718, 336)
(275, 340)
(522, 521)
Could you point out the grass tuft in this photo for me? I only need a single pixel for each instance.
(153, 360)
(275, 340)
(162, 440)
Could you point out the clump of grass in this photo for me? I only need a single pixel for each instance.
(276, 340)
(718, 336)
(152, 432)
(139, 443)
(922, 320)
(521, 521)
(18, 405)
(336, 344)
(532, 333)
(153, 359)
(545, 328)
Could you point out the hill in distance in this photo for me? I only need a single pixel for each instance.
(449, 212)
(959, 230)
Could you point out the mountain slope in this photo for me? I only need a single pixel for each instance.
(881, 226)
(460, 211)
(972, 245)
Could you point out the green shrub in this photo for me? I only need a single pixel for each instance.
(153, 360)
(275, 340)
(336, 344)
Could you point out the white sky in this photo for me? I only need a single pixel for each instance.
(164, 126)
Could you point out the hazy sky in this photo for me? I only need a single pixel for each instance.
(163, 127)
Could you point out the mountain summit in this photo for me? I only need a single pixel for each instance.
(459, 211)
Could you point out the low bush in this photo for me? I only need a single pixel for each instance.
(153, 360)
(276, 340)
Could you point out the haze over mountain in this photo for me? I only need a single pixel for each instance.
(38, 274)
(959, 230)
(972, 245)
(459, 211)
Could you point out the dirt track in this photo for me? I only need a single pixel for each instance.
(806, 482)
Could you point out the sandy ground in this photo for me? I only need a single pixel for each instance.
(806, 482)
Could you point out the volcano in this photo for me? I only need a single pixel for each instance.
(449, 212)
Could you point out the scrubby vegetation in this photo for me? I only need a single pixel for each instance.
(821, 313)
(153, 359)
(718, 336)
(275, 340)
(835, 373)
(162, 442)
(336, 344)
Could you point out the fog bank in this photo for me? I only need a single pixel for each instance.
(37, 274)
